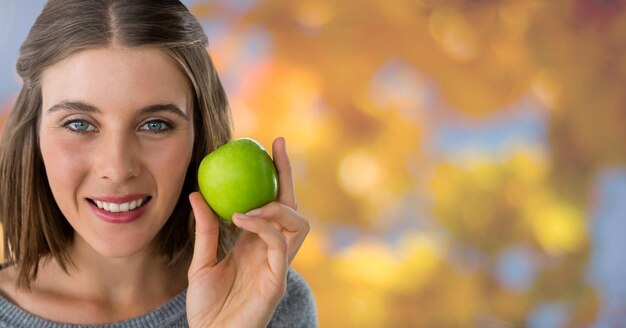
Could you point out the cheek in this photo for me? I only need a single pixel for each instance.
(65, 163)
(169, 162)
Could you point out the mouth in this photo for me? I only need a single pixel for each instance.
(121, 207)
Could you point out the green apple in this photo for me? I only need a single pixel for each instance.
(238, 177)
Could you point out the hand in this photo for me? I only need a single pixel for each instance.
(244, 288)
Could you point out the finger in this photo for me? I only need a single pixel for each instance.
(284, 215)
(276, 241)
(207, 233)
(294, 225)
(286, 193)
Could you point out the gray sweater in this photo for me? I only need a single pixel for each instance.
(296, 309)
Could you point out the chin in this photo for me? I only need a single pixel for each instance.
(122, 246)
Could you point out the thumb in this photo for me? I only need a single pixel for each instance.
(207, 232)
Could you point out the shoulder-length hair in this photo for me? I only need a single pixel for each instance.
(33, 225)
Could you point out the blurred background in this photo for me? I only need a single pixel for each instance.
(462, 162)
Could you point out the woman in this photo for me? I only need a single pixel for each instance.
(102, 224)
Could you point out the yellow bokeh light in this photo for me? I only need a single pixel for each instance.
(485, 175)
(371, 264)
(359, 173)
(421, 256)
(558, 228)
(529, 164)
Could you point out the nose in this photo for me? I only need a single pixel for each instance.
(117, 158)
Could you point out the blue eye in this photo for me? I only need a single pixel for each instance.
(156, 126)
(80, 126)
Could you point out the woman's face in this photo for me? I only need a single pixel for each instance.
(116, 136)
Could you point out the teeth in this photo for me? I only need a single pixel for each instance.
(115, 208)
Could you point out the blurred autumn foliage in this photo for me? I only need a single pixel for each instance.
(444, 151)
(418, 221)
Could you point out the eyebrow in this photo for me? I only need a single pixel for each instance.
(79, 106)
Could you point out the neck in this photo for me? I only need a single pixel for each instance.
(141, 278)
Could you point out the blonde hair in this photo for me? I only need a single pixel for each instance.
(33, 224)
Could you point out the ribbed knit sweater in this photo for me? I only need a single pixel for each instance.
(297, 308)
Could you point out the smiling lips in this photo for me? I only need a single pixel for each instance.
(119, 209)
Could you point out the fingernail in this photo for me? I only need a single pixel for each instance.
(254, 212)
(240, 216)
(284, 144)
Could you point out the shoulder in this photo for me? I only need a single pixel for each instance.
(9, 296)
(8, 277)
(297, 308)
